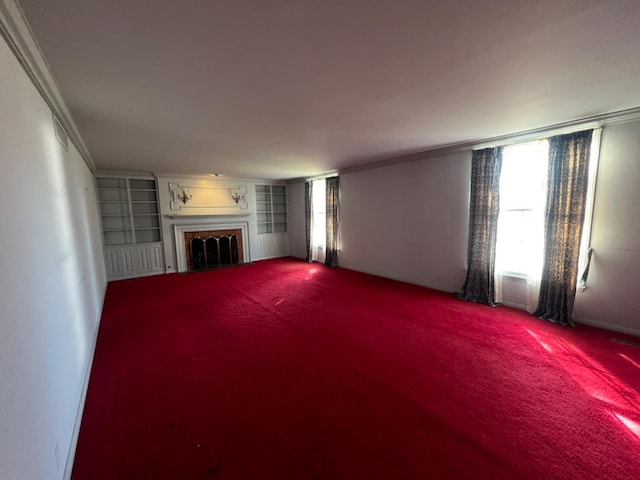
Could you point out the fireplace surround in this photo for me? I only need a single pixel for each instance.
(213, 245)
(213, 249)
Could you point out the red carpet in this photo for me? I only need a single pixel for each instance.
(288, 370)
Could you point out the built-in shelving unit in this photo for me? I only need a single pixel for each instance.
(271, 217)
(130, 225)
(271, 208)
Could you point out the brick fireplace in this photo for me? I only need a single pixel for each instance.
(213, 249)
(212, 245)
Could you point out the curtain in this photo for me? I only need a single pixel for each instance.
(479, 286)
(332, 207)
(566, 200)
(308, 217)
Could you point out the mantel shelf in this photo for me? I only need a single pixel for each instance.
(174, 216)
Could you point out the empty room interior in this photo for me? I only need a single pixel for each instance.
(320, 239)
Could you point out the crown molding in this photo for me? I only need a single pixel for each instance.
(18, 35)
(595, 121)
(319, 176)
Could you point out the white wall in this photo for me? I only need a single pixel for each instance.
(612, 298)
(419, 211)
(408, 221)
(52, 283)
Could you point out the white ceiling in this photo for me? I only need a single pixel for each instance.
(292, 88)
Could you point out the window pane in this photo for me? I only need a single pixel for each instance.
(515, 231)
(319, 233)
(524, 175)
(522, 201)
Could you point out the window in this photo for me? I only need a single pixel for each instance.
(522, 201)
(319, 231)
(523, 191)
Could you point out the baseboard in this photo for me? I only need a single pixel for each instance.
(71, 455)
(607, 326)
(269, 257)
(515, 305)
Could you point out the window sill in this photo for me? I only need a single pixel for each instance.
(514, 276)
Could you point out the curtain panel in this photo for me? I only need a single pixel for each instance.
(566, 201)
(333, 203)
(479, 285)
(308, 217)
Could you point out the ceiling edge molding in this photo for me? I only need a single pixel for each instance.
(211, 177)
(319, 176)
(16, 31)
(595, 121)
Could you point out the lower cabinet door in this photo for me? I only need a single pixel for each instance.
(133, 260)
(150, 259)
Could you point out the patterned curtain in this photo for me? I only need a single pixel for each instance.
(479, 285)
(333, 202)
(566, 200)
(308, 217)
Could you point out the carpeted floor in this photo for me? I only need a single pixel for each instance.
(288, 370)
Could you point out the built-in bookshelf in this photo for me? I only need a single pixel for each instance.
(130, 225)
(271, 208)
(129, 210)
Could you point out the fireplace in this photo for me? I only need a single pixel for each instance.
(212, 245)
(213, 249)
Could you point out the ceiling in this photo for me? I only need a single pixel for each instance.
(279, 89)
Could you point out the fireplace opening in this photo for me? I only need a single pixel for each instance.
(213, 249)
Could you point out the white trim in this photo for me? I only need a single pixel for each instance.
(71, 454)
(323, 176)
(580, 321)
(180, 230)
(16, 31)
(587, 225)
(211, 177)
(282, 255)
(515, 305)
(595, 121)
(607, 326)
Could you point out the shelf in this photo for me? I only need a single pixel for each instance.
(271, 208)
(129, 211)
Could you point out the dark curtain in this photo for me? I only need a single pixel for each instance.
(566, 199)
(479, 285)
(308, 217)
(333, 201)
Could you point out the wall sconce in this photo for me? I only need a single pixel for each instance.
(237, 196)
(185, 196)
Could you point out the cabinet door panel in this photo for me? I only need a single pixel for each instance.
(155, 255)
(150, 259)
(113, 262)
(129, 261)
